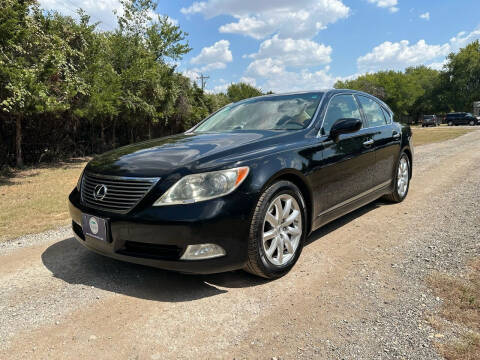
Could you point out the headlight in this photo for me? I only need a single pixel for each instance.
(204, 186)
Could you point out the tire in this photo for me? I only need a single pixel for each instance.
(471, 123)
(450, 123)
(260, 262)
(398, 196)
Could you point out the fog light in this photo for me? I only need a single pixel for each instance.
(202, 252)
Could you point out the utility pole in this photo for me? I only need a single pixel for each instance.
(203, 79)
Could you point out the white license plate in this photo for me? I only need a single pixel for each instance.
(95, 227)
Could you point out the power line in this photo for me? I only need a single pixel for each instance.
(203, 79)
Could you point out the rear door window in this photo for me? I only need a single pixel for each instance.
(373, 111)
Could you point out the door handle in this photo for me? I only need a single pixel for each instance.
(396, 135)
(368, 143)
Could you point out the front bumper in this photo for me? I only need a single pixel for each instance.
(158, 236)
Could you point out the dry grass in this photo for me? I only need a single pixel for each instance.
(35, 200)
(461, 306)
(423, 136)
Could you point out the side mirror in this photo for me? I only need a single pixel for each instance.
(345, 126)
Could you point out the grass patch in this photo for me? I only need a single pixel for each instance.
(423, 136)
(35, 199)
(461, 305)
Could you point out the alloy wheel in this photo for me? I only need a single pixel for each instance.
(282, 229)
(402, 176)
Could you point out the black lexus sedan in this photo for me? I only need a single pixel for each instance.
(246, 186)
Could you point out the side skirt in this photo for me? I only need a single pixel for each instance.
(352, 204)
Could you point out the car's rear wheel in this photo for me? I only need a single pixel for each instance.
(401, 180)
(277, 231)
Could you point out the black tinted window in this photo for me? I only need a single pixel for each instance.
(340, 107)
(373, 111)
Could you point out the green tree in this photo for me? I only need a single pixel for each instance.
(461, 79)
(240, 91)
(34, 67)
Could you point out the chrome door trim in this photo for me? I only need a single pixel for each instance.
(356, 197)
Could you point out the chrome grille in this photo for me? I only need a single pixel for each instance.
(122, 193)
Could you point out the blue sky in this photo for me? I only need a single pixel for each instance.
(287, 45)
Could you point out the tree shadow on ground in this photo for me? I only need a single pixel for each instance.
(8, 174)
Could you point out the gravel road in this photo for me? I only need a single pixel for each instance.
(357, 292)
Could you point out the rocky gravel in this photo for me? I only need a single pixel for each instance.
(357, 292)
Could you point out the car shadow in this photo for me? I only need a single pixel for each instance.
(338, 223)
(71, 262)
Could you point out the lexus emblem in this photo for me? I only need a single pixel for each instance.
(100, 192)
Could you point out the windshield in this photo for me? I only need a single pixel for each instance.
(284, 112)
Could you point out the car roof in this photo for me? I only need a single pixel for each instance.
(326, 91)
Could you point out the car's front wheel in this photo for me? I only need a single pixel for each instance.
(450, 123)
(471, 123)
(277, 231)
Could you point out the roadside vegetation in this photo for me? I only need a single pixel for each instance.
(423, 136)
(69, 89)
(35, 199)
(461, 306)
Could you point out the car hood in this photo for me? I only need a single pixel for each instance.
(183, 152)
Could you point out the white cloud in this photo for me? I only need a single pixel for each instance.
(271, 74)
(214, 57)
(437, 65)
(425, 16)
(259, 19)
(295, 53)
(463, 39)
(391, 5)
(218, 89)
(398, 55)
(191, 74)
(100, 11)
(265, 67)
(248, 80)
(303, 80)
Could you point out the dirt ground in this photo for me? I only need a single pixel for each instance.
(357, 291)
